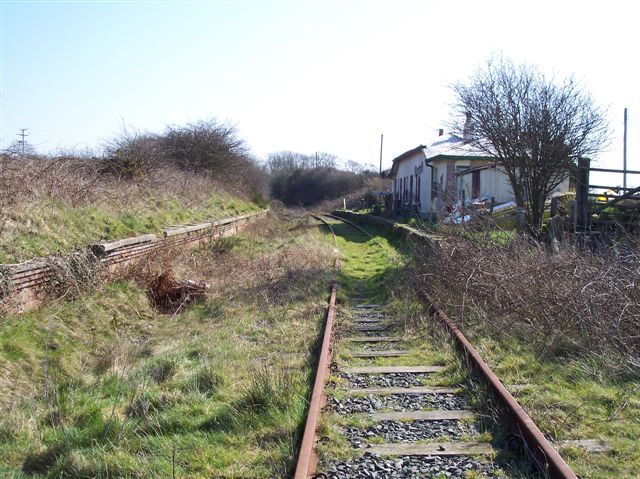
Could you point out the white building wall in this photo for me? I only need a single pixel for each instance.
(502, 186)
(493, 183)
(407, 169)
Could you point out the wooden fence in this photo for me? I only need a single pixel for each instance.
(613, 209)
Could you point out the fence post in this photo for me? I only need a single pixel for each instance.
(462, 206)
(521, 219)
(582, 195)
(554, 206)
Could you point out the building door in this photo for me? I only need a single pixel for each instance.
(475, 184)
(411, 191)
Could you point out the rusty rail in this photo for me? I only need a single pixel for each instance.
(546, 457)
(358, 227)
(326, 223)
(307, 459)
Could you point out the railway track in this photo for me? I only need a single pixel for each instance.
(392, 399)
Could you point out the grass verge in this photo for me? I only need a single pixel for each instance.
(51, 226)
(105, 386)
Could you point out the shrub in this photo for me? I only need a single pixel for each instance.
(580, 301)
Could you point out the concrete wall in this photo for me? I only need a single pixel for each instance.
(28, 283)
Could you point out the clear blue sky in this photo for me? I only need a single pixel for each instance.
(305, 76)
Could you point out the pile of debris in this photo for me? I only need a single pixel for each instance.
(170, 295)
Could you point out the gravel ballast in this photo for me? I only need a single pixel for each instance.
(409, 431)
(395, 380)
(371, 466)
(396, 402)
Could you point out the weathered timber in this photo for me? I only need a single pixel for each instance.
(437, 449)
(376, 354)
(100, 249)
(411, 390)
(181, 230)
(393, 369)
(444, 415)
(374, 339)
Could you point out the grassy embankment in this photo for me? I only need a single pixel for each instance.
(51, 226)
(105, 386)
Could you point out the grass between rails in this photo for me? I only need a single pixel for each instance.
(104, 386)
(376, 270)
(52, 226)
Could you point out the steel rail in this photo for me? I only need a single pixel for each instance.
(548, 459)
(308, 459)
(351, 223)
(326, 223)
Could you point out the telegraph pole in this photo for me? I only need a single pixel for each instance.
(624, 153)
(381, 138)
(22, 142)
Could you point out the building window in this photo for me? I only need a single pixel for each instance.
(411, 189)
(435, 186)
(475, 184)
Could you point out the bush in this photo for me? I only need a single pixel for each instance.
(306, 187)
(580, 301)
(204, 148)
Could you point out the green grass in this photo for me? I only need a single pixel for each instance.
(572, 398)
(367, 265)
(54, 227)
(104, 386)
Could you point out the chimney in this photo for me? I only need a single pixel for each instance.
(466, 132)
(440, 131)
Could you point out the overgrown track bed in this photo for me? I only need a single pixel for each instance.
(402, 404)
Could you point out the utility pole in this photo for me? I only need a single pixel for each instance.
(624, 153)
(23, 142)
(381, 138)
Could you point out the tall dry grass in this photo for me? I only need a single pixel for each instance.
(582, 301)
(84, 181)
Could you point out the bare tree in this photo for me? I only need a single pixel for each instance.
(534, 127)
(323, 159)
(282, 161)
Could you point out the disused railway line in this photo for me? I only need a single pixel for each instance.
(414, 428)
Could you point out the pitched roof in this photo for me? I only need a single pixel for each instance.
(449, 146)
(453, 146)
(406, 154)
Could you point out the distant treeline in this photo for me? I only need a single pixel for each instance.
(305, 180)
